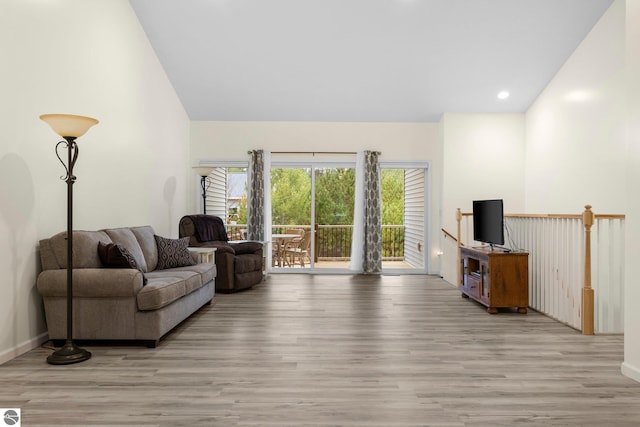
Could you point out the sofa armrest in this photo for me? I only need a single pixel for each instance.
(247, 247)
(91, 282)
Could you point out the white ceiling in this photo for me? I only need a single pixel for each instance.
(361, 60)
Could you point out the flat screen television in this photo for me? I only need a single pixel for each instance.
(488, 221)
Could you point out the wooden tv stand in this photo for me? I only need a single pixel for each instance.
(495, 278)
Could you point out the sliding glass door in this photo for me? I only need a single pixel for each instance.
(312, 207)
(333, 208)
(312, 215)
(404, 219)
(292, 218)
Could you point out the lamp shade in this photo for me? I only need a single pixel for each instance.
(203, 170)
(69, 125)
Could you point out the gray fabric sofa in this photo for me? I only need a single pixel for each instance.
(115, 303)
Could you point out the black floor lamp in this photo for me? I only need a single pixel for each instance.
(204, 172)
(69, 127)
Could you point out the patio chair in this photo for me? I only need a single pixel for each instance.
(299, 250)
(280, 245)
(299, 231)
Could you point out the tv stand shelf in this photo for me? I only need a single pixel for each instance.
(495, 277)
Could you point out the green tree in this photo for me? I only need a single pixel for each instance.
(334, 204)
(335, 190)
(335, 194)
(242, 210)
(290, 196)
(392, 196)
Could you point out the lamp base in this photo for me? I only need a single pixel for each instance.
(68, 354)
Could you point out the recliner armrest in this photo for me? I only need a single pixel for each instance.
(221, 247)
(247, 247)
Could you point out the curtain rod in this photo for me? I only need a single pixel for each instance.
(313, 153)
(310, 152)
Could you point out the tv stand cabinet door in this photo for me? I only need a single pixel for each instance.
(484, 288)
(473, 287)
(509, 280)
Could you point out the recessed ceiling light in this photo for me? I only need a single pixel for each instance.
(503, 94)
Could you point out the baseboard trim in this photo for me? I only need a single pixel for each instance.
(630, 371)
(23, 347)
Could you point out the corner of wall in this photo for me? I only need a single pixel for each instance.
(630, 371)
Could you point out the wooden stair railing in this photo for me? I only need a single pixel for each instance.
(449, 235)
(587, 218)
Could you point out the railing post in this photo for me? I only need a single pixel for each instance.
(316, 244)
(458, 267)
(587, 290)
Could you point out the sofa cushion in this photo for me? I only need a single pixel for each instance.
(166, 286)
(126, 238)
(161, 290)
(207, 272)
(85, 243)
(146, 240)
(192, 280)
(47, 256)
(173, 253)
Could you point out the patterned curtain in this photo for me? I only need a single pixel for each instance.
(372, 214)
(255, 205)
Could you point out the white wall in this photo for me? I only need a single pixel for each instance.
(631, 365)
(415, 142)
(576, 128)
(583, 142)
(483, 159)
(88, 58)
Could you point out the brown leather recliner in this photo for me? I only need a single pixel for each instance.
(239, 263)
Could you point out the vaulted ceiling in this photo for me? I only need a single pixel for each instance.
(361, 60)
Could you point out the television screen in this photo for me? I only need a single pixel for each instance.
(488, 221)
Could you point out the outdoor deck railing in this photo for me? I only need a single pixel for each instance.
(333, 242)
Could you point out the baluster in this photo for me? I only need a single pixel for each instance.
(458, 268)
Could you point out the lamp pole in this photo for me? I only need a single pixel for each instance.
(204, 184)
(70, 352)
(69, 127)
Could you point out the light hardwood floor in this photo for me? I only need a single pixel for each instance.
(302, 350)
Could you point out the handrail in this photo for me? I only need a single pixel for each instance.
(521, 215)
(556, 216)
(446, 233)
